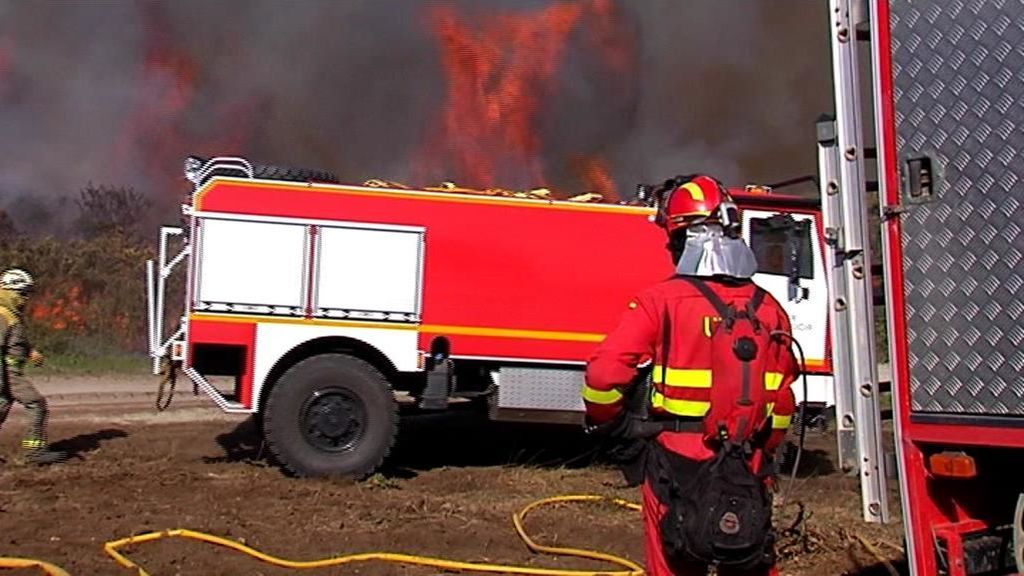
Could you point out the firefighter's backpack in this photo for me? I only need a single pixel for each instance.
(719, 510)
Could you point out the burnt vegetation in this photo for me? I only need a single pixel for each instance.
(111, 211)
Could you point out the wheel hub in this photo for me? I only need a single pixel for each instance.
(333, 419)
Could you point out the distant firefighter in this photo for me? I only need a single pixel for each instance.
(15, 350)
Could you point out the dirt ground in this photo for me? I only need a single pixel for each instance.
(448, 491)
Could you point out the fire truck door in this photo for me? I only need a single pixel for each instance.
(957, 95)
(791, 268)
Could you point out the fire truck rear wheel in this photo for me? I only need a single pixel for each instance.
(331, 415)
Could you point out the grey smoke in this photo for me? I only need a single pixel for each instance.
(731, 87)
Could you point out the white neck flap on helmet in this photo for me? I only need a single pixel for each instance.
(710, 251)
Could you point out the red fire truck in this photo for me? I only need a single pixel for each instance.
(948, 106)
(318, 301)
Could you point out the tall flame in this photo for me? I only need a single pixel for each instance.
(498, 76)
(596, 175)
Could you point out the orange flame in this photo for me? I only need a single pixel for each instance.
(495, 78)
(498, 75)
(595, 173)
(60, 312)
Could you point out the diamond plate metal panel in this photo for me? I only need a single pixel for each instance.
(540, 389)
(958, 68)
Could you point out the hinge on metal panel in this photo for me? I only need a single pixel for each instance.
(893, 211)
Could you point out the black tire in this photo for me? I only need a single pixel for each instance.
(331, 415)
(270, 172)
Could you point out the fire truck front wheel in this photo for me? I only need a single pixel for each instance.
(331, 415)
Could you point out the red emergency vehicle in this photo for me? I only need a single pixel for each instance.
(319, 300)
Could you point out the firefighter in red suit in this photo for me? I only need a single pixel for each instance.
(704, 240)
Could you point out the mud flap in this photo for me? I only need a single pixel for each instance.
(438, 387)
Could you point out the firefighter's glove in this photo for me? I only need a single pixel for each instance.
(36, 358)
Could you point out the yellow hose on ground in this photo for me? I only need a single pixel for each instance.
(113, 547)
(630, 568)
(46, 567)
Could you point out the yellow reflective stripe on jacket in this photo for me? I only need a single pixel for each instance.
(601, 396)
(676, 407)
(683, 378)
(778, 422)
(686, 378)
(33, 443)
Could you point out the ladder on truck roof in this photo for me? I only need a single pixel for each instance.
(844, 188)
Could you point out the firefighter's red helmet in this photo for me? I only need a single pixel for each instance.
(698, 198)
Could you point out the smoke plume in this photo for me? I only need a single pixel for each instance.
(119, 93)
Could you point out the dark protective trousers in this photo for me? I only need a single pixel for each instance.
(17, 388)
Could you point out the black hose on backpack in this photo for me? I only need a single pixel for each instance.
(802, 416)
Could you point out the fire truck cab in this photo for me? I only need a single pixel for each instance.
(321, 307)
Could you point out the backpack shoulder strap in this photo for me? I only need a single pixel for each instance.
(758, 298)
(723, 310)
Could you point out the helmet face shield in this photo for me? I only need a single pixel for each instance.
(710, 250)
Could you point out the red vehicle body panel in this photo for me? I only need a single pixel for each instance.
(503, 278)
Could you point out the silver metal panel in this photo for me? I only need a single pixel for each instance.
(958, 70)
(849, 224)
(540, 389)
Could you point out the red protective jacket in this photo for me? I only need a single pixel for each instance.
(682, 387)
(638, 339)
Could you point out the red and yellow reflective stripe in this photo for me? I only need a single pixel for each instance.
(682, 378)
(595, 396)
(677, 407)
